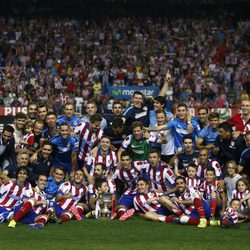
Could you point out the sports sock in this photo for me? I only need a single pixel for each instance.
(42, 220)
(193, 221)
(121, 211)
(25, 208)
(65, 217)
(213, 206)
(199, 207)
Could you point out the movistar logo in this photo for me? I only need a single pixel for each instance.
(116, 92)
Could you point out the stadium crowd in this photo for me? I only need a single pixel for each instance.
(61, 158)
(56, 60)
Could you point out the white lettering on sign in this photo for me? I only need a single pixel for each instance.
(8, 111)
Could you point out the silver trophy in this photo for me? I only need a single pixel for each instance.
(105, 201)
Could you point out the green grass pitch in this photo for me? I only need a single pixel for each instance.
(135, 233)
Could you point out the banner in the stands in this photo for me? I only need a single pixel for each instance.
(126, 92)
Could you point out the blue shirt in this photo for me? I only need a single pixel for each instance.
(180, 128)
(73, 121)
(63, 149)
(51, 188)
(152, 117)
(208, 134)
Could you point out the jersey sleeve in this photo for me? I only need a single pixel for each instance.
(126, 142)
(64, 188)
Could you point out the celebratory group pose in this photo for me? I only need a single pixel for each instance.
(173, 168)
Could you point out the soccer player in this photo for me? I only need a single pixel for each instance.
(161, 177)
(167, 149)
(89, 135)
(11, 193)
(68, 116)
(205, 163)
(104, 155)
(184, 155)
(65, 149)
(54, 182)
(116, 113)
(42, 111)
(152, 205)
(33, 209)
(91, 109)
(138, 143)
(99, 174)
(209, 133)
(128, 174)
(180, 126)
(195, 210)
(68, 196)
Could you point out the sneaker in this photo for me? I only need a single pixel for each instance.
(12, 224)
(203, 223)
(36, 226)
(52, 218)
(76, 213)
(128, 214)
(113, 216)
(4, 216)
(58, 220)
(214, 223)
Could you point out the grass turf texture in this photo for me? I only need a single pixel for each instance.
(135, 233)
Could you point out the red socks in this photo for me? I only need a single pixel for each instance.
(213, 204)
(65, 217)
(121, 212)
(25, 208)
(199, 207)
(193, 221)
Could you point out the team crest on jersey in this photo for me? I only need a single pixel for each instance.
(75, 123)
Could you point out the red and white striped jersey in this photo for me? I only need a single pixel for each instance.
(141, 205)
(110, 161)
(93, 191)
(233, 214)
(240, 195)
(201, 170)
(190, 193)
(193, 182)
(129, 178)
(11, 194)
(162, 178)
(77, 194)
(39, 196)
(87, 139)
(207, 188)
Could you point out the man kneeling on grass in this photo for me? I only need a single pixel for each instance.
(152, 205)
